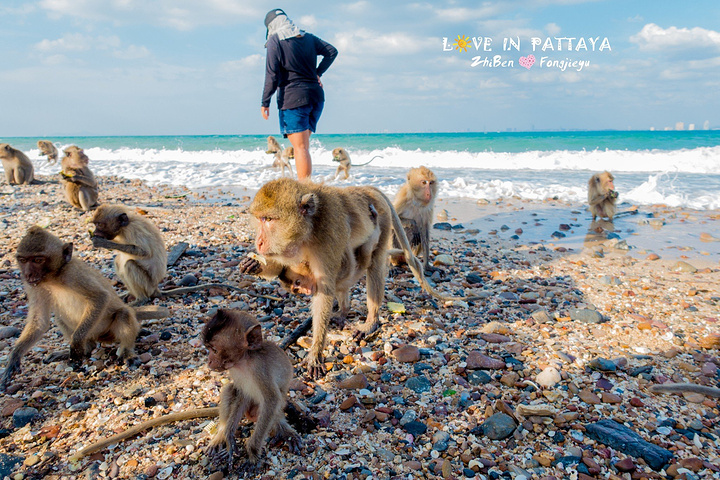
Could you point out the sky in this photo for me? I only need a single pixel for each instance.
(187, 67)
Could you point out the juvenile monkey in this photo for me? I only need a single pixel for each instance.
(260, 372)
(48, 149)
(18, 167)
(341, 156)
(686, 387)
(81, 188)
(341, 233)
(141, 262)
(602, 196)
(414, 204)
(273, 146)
(85, 306)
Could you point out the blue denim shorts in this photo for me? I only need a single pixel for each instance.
(300, 119)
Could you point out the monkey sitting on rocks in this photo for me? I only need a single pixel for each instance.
(18, 168)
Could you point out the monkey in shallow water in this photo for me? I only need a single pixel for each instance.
(18, 168)
(602, 196)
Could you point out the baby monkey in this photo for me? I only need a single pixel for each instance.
(260, 372)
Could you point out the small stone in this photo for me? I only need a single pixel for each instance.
(652, 257)
(608, 397)
(413, 465)
(683, 267)
(499, 426)
(473, 278)
(548, 377)
(407, 354)
(636, 402)
(618, 436)
(478, 377)
(348, 403)
(419, 384)
(625, 465)
(9, 332)
(24, 415)
(709, 369)
(710, 341)
(188, 280)
(355, 382)
(541, 316)
(10, 406)
(32, 460)
(444, 260)
(694, 463)
(586, 315)
(588, 396)
(216, 476)
(442, 226)
(442, 215)
(415, 428)
(602, 364)
(476, 361)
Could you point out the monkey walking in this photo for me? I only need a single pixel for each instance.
(341, 233)
(48, 149)
(341, 156)
(18, 168)
(282, 157)
(81, 188)
(85, 306)
(414, 204)
(141, 262)
(602, 196)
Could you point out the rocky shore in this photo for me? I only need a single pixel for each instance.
(545, 374)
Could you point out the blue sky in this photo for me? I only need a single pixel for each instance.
(172, 67)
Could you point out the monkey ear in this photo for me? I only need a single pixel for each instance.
(254, 337)
(124, 220)
(67, 252)
(308, 205)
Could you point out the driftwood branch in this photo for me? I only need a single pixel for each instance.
(176, 252)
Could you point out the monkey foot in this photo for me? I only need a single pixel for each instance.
(292, 440)
(364, 331)
(338, 321)
(316, 370)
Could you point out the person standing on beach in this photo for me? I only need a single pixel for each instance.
(291, 68)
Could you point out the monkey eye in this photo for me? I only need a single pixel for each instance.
(297, 282)
(38, 260)
(22, 260)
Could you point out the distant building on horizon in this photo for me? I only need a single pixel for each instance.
(706, 125)
(680, 126)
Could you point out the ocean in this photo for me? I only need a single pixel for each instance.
(676, 168)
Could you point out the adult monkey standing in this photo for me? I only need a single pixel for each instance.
(291, 68)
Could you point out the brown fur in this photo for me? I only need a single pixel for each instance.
(141, 262)
(602, 196)
(81, 188)
(340, 233)
(282, 157)
(48, 149)
(414, 204)
(260, 372)
(342, 157)
(85, 306)
(18, 168)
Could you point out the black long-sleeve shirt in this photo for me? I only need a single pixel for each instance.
(291, 69)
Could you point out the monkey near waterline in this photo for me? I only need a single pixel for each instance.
(602, 196)
(48, 149)
(341, 233)
(141, 261)
(282, 157)
(81, 188)
(18, 167)
(414, 204)
(260, 372)
(85, 306)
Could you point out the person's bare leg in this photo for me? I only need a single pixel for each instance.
(303, 163)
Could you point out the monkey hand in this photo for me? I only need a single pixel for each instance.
(221, 449)
(250, 266)
(613, 194)
(316, 367)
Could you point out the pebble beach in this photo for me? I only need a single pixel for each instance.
(544, 374)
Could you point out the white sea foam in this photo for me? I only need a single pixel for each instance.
(685, 177)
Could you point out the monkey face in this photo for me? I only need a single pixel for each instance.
(109, 226)
(33, 268)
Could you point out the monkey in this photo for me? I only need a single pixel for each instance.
(18, 168)
(47, 148)
(260, 372)
(414, 204)
(330, 229)
(282, 157)
(341, 156)
(141, 262)
(85, 306)
(142, 259)
(298, 279)
(602, 196)
(81, 188)
(686, 387)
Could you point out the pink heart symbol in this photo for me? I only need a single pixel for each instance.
(527, 62)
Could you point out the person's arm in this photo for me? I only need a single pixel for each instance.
(328, 53)
(272, 67)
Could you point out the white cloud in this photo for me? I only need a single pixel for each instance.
(177, 14)
(132, 52)
(307, 22)
(76, 42)
(252, 62)
(552, 29)
(368, 43)
(655, 38)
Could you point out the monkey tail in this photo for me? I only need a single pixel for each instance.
(205, 286)
(362, 164)
(150, 312)
(153, 422)
(412, 261)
